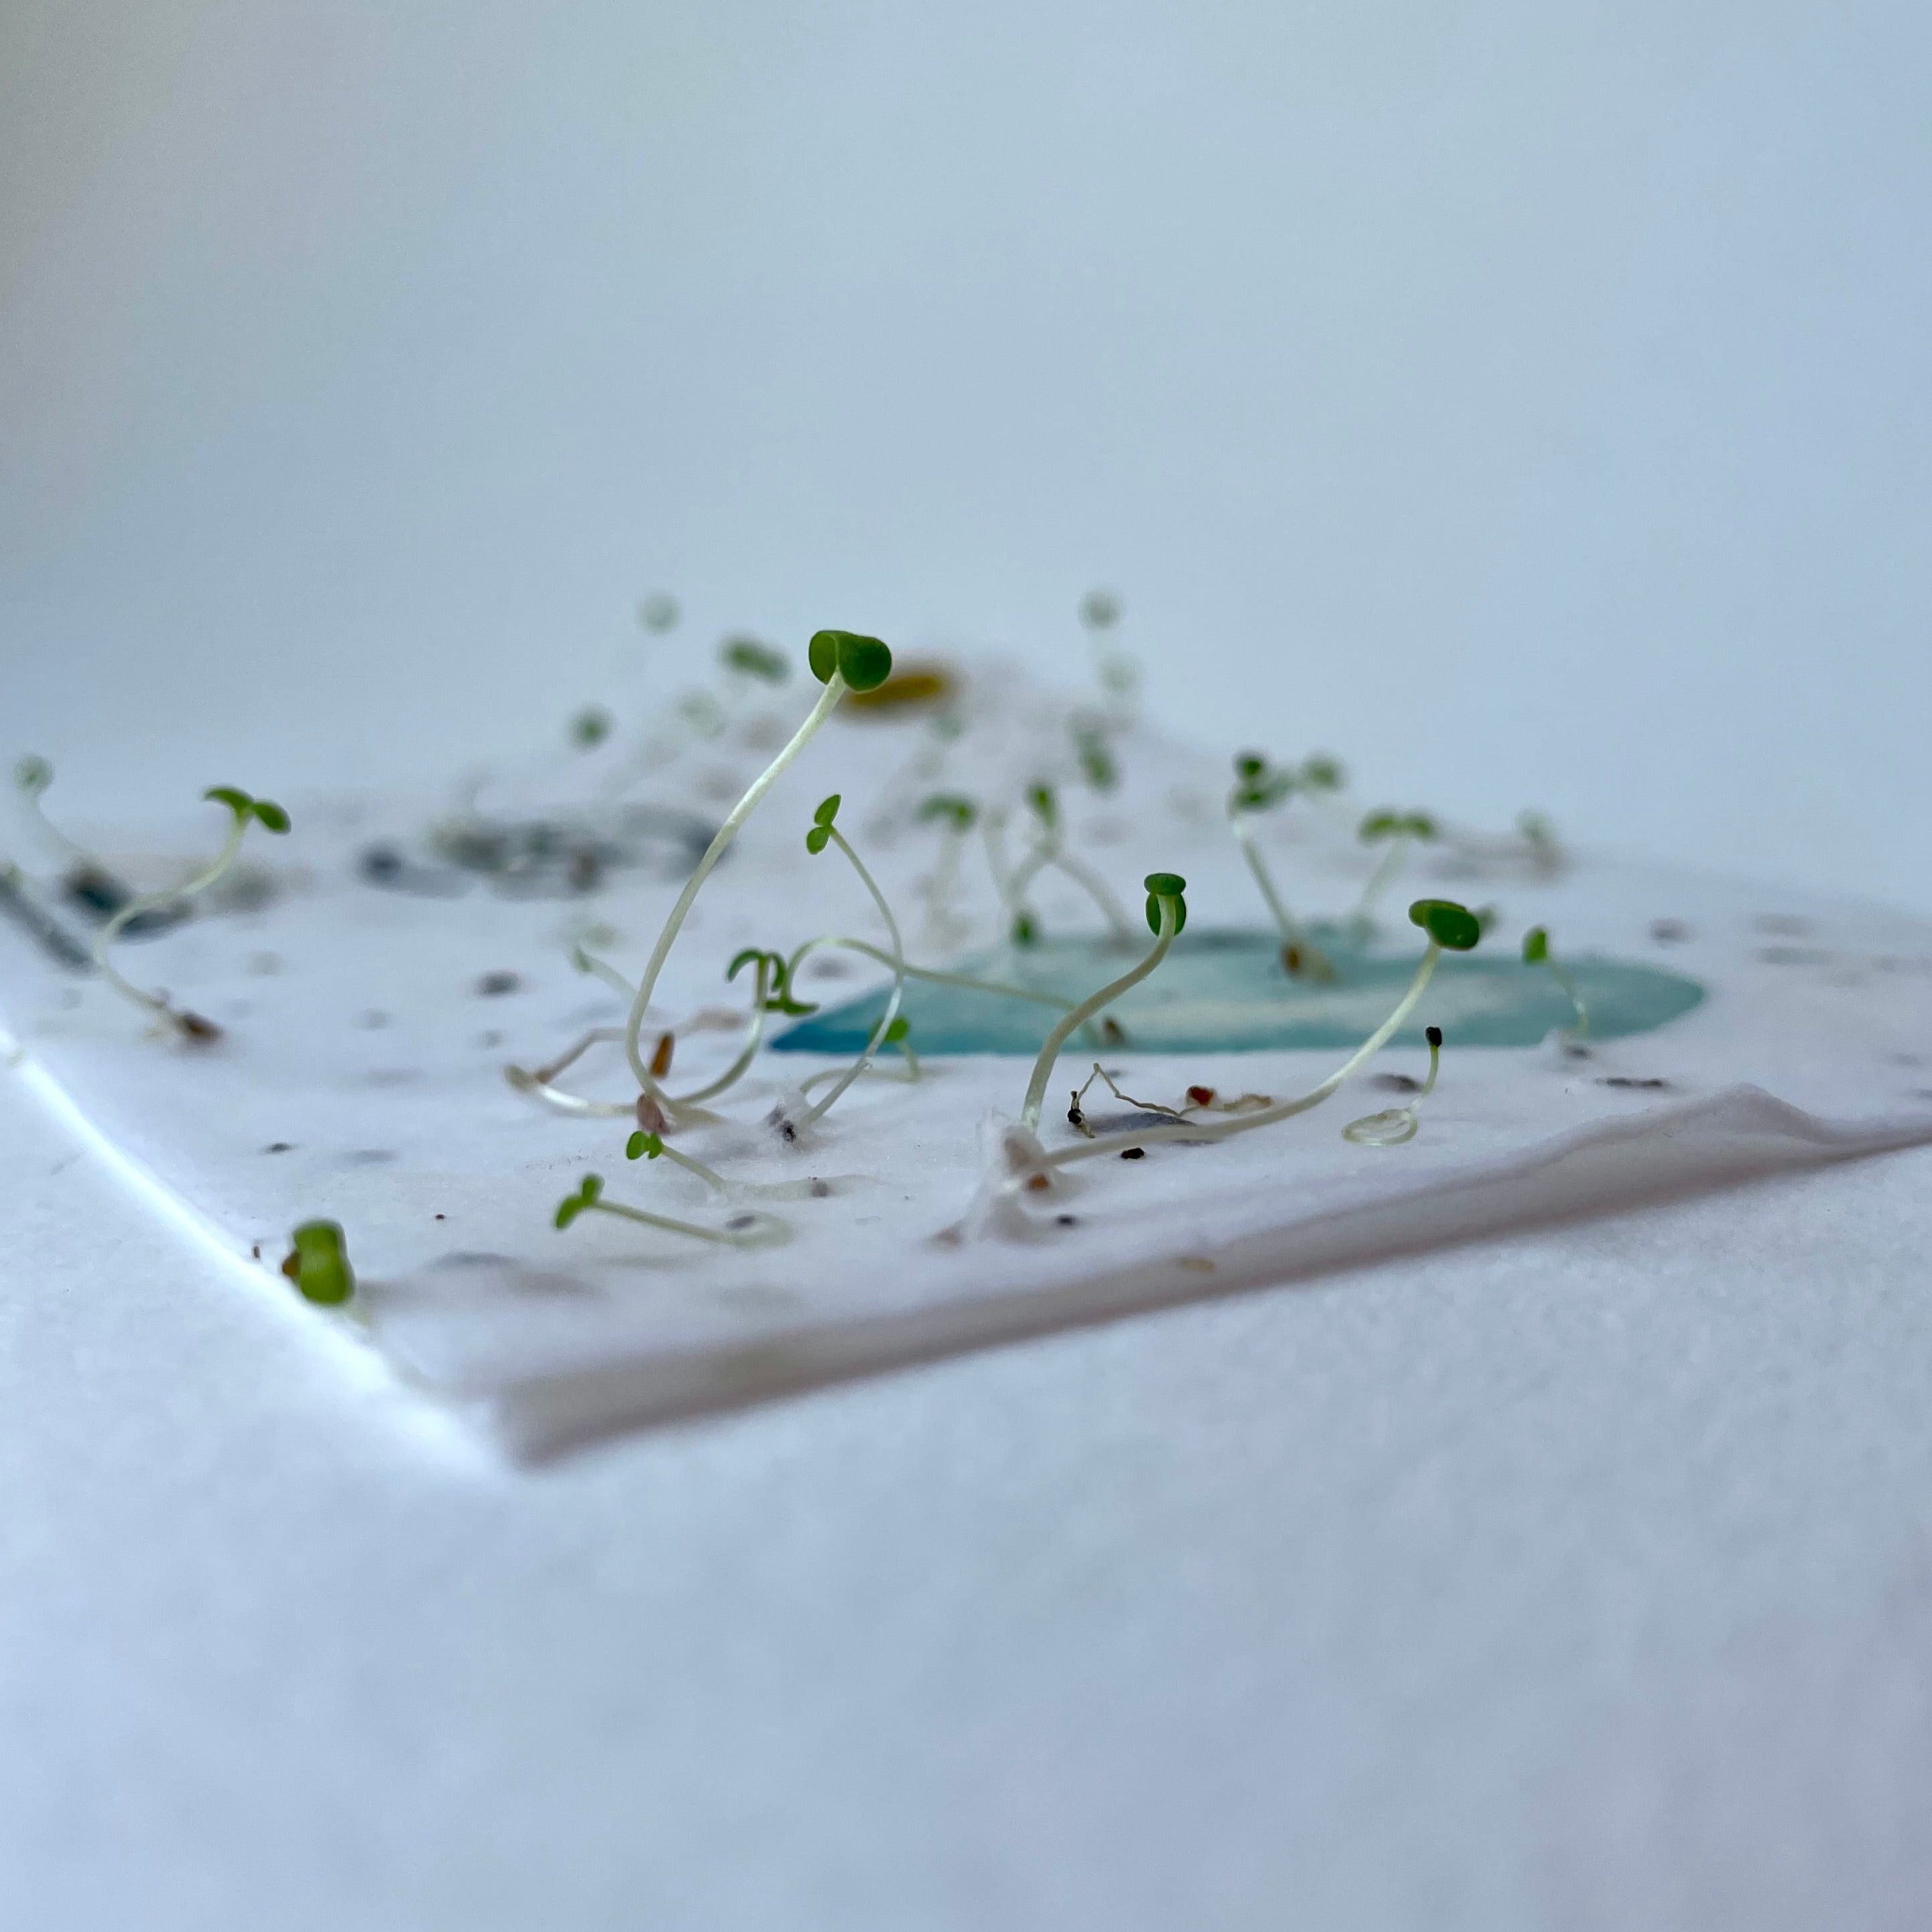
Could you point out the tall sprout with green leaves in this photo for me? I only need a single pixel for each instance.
(1536, 953)
(1166, 914)
(842, 660)
(1261, 788)
(1447, 926)
(956, 815)
(244, 810)
(748, 1229)
(1396, 833)
(32, 777)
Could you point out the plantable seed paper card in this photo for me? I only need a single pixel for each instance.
(374, 973)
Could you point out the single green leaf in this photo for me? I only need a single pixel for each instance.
(237, 801)
(1535, 946)
(866, 661)
(271, 816)
(827, 811)
(817, 839)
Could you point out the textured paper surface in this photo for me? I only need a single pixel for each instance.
(360, 1079)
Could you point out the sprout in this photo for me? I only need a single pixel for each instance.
(1545, 853)
(245, 810)
(1398, 829)
(318, 1264)
(591, 726)
(658, 613)
(1258, 787)
(1321, 773)
(840, 660)
(749, 658)
(958, 813)
(1098, 766)
(741, 1231)
(1028, 1166)
(1395, 1125)
(1536, 953)
(1050, 849)
(825, 831)
(1099, 609)
(1167, 913)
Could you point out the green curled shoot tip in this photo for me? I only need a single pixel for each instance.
(591, 726)
(265, 811)
(1044, 805)
(1168, 886)
(1536, 947)
(588, 1191)
(866, 662)
(642, 1146)
(33, 775)
(1099, 609)
(750, 956)
(751, 658)
(959, 811)
(1453, 926)
(318, 1264)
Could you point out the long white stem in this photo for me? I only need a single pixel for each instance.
(1082, 875)
(1378, 880)
(148, 901)
(821, 1108)
(762, 1231)
(828, 702)
(1042, 1068)
(846, 944)
(1242, 1124)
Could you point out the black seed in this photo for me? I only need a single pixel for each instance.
(490, 984)
(1133, 1153)
(1065, 1220)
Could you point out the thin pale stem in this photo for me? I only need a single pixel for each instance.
(823, 1107)
(828, 702)
(1220, 1130)
(765, 1229)
(1569, 986)
(1083, 875)
(153, 1003)
(1289, 926)
(1042, 1068)
(1379, 880)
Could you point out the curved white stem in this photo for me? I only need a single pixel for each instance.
(823, 1107)
(153, 1002)
(1379, 879)
(827, 703)
(1242, 1124)
(760, 1230)
(1042, 1068)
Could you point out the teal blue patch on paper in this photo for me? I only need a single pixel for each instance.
(1228, 992)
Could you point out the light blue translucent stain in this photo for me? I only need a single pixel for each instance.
(1226, 992)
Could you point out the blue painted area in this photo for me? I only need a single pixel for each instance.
(1227, 992)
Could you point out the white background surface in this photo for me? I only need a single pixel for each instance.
(1533, 406)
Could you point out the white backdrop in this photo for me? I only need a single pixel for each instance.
(1530, 403)
(1533, 403)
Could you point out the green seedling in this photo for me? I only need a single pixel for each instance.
(842, 660)
(1396, 831)
(748, 658)
(824, 832)
(658, 613)
(1050, 849)
(591, 726)
(1166, 914)
(1448, 927)
(1394, 1125)
(32, 776)
(1259, 787)
(1536, 953)
(749, 1230)
(245, 810)
(1119, 676)
(318, 1264)
(1094, 752)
